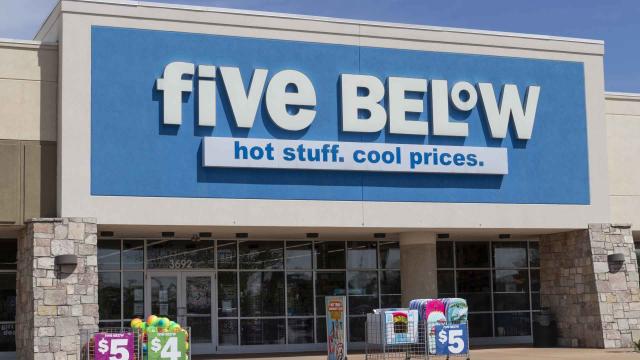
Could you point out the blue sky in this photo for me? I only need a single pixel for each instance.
(617, 22)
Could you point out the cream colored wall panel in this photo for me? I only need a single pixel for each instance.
(626, 209)
(623, 105)
(10, 189)
(623, 132)
(39, 179)
(29, 62)
(28, 110)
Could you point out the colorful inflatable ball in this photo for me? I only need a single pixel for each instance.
(151, 320)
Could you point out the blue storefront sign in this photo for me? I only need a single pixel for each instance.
(209, 116)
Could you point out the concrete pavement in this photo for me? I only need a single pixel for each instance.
(480, 354)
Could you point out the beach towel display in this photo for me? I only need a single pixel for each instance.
(439, 312)
(456, 310)
(393, 326)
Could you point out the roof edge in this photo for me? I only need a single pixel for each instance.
(622, 95)
(335, 20)
(26, 43)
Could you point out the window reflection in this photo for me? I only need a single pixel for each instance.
(328, 284)
(261, 254)
(227, 294)
(444, 254)
(109, 295)
(108, 255)
(299, 255)
(472, 254)
(390, 282)
(499, 279)
(262, 293)
(262, 331)
(133, 254)
(227, 254)
(300, 293)
(510, 254)
(512, 324)
(133, 294)
(180, 254)
(7, 296)
(362, 255)
(300, 331)
(511, 281)
(389, 255)
(8, 255)
(330, 255)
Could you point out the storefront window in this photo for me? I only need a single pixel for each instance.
(227, 254)
(300, 331)
(389, 255)
(180, 254)
(499, 279)
(8, 254)
(109, 255)
(227, 294)
(472, 254)
(265, 289)
(262, 293)
(133, 294)
(8, 261)
(262, 331)
(362, 255)
(266, 255)
(330, 254)
(133, 254)
(329, 284)
(109, 295)
(228, 332)
(299, 255)
(444, 254)
(300, 293)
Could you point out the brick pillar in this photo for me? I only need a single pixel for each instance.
(418, 266)
(56, 303)
(596, 303)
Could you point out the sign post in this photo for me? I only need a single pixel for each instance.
(335, 307)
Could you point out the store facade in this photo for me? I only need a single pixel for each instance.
(230, 169)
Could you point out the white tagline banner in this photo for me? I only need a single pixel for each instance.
(352, 156)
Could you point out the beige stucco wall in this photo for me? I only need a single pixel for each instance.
(623, 134)
(28, 89)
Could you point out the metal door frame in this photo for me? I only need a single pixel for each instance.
(181, 276)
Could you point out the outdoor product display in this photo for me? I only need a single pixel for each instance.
(439, 312)
(159, 325)
(393, 326)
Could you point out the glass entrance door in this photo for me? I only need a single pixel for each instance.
(187, 298)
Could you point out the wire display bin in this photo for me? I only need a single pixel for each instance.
(389, 336)
(131, 344)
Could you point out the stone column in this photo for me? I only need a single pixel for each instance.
(596, 303)
(418, 266)
(56, 303)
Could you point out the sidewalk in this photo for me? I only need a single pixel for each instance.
(481, 354)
